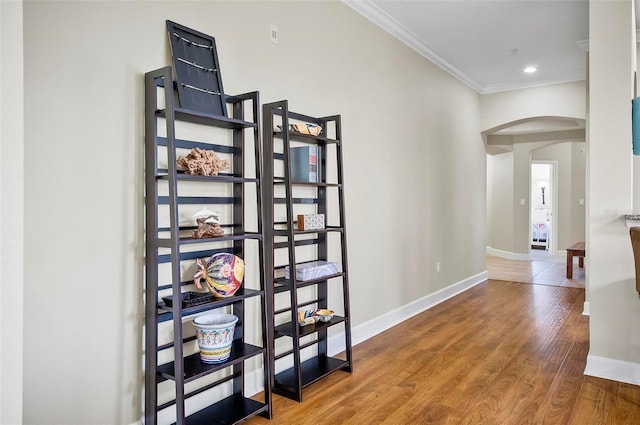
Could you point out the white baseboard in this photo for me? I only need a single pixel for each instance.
(388, 320)
(253, 382)
(586, 309)
(364, 331)
(615, 370)
(559, 255)
(508, 255)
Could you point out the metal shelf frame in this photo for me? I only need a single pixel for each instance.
(291, 381)
(166, 246)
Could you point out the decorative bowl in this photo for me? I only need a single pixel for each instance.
(306, 128)
(307, 318)
(324, 315)
(223, 274)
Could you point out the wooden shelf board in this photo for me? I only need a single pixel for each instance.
(208, 179)
(288, 330)
(195, 368)
(283, 282)
(196, 117)
(280, 180)
(241, 294)
(167, 242)
(230, 410)
(307, 138)
(312, 370)
(327, 229)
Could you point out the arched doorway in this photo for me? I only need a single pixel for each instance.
(512, 148)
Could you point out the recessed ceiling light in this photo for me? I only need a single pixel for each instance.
(530, 69)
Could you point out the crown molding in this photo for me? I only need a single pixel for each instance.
(393, 27)
(500, 87)
(584, 44)
(383, 20)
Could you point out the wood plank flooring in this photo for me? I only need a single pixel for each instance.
(499, 353)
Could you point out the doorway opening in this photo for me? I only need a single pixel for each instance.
(542, 229)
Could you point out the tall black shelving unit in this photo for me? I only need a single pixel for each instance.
(304, 351)
(172, 363)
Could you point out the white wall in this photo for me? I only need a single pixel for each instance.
(570, 161)
(559, 100)
(500, 219)
(521, 161)
(11, 211)
(511, 184)
(578, 194)
(414, 173)
(614, 304)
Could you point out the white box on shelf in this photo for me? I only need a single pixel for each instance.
(312, 270)
(310, 221)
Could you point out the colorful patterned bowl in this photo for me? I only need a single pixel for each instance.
(324, 315)
(222, 273)
(215, 336)
(307, 318)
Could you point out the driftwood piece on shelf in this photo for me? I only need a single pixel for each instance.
(207, 230)
(202, 162)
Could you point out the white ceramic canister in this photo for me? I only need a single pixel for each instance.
(215, 336)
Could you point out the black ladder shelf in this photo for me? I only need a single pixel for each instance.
(179, 387)
(302, 352)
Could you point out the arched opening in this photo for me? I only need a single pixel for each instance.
(550, 129)
(512, 200)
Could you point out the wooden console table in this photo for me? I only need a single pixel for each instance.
(575, 250)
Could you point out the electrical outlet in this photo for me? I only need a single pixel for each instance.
(273, 34)
(438, 267)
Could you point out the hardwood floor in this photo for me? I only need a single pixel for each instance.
(499, 353)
